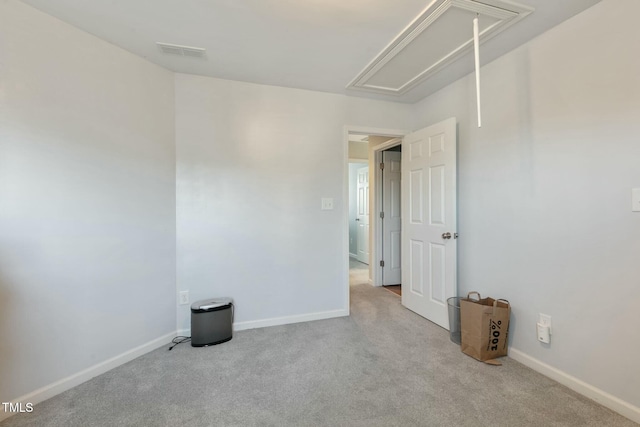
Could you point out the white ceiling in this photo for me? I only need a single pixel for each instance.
(310, 44)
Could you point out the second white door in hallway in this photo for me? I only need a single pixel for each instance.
(391, 221)
(362, 217)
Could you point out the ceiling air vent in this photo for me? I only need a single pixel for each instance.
(176, 49)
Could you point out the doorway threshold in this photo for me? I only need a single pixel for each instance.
(396, 289)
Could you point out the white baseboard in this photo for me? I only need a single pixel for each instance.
(277, 321)
(605, 399)
(85, 375)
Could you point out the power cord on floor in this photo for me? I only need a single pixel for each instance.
(179, 340)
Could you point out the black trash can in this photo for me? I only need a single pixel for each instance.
(211, 321)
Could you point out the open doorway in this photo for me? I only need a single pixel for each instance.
(364, 240)
(359, 233)
(428, 203)
(359, 198)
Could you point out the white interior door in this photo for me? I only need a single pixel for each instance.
(391, 221)
(362, 217)
(429, 220)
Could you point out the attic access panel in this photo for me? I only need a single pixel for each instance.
(438, 37)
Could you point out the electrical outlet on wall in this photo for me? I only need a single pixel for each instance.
(543, 328)
(184, 297)
(545, 320)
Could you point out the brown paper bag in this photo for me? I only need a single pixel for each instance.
(484, 325)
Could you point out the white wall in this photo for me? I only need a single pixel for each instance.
(544, 192)
(87, 198)
(253, 163)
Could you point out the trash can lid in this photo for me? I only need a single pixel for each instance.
(208, 304)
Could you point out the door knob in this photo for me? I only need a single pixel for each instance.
(446, 235)
(357, 219)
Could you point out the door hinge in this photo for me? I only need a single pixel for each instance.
(381, 165)
(382, 215)
(381, 263)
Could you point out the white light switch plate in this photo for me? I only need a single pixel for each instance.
(635, 199)
(327, 204)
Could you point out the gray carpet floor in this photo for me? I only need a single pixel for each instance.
(382, 366)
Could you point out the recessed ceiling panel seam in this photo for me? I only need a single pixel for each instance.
(505, 12)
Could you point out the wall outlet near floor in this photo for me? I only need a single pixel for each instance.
(184, 297)
(544, 320)
(543, 328)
